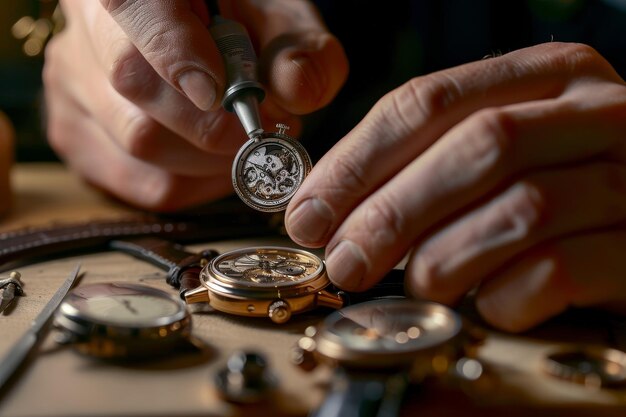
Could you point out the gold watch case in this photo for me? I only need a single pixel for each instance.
(268, 281)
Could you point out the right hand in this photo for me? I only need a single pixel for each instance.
(133, 91)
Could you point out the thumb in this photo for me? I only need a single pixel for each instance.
(175, 41)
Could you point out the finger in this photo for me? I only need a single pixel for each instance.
(540, 207)
(133, 77)
(106, 166)
(407, 121)
(126, 125)
(300, 62)
(581, 271)
(176, 43)
(469, 161)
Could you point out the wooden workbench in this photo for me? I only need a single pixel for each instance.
(60, 382)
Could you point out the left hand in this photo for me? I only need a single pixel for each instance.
(507, 175)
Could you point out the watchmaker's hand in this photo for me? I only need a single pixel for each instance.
(139, 114)
(507, 175)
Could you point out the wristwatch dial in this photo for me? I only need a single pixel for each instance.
(115, 320)
(267, 267)
(268, 170)
(386, 330)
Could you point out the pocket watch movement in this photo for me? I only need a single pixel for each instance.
(269, 169)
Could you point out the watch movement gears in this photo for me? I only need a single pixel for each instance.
(269, 169)
(268, 266)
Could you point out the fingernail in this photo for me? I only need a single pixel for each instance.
(346, 265)
(199, 87)
(310, 222)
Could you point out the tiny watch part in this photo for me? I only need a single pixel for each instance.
(122, 320)
(266, 281)
(269, 169)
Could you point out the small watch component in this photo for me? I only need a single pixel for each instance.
(122, 320)
(269, 169)
(246, 378)
(10, 288)
(378, 347)
(592, 366)
(265, 281)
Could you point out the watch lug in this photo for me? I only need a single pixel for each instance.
(329, 299)
(197, 295)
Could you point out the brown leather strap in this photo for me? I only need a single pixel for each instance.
(225, 219)
(183, 266)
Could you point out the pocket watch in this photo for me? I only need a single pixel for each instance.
(269, 169)
(259, 281)
(122, 320)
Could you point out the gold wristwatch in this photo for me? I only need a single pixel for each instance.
(260, 281)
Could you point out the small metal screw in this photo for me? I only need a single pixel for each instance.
(245, 378)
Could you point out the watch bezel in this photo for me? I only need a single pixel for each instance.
(112, 339)
(332, 347)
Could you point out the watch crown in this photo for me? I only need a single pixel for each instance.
(282, 128)
(279, 311)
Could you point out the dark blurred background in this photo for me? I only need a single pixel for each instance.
(387, 43)
(25, 26)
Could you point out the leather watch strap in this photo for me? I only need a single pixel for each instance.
(168, 256)
(224, 219)
(392, 285)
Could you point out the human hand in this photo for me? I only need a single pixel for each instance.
(7, 140)
(505, 175)
(133, 96)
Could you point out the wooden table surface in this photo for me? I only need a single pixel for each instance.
(60, 382)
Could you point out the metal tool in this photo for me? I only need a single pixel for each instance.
(243, 92)
(27, 344)
(11, 287)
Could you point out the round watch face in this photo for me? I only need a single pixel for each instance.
(123, 305)
(122, 320)
(386, 327)
(266, 267)
(268, 170)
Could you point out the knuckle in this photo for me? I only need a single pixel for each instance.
(575, 58)
(524, 210)
(420, 99)
(131, 75)
(383, 223)
(139, 137)
(347, 177)
(491, 148)
(426, 281)
(497, 132)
